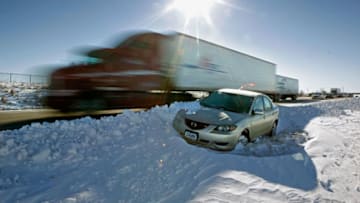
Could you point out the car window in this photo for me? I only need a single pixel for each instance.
(267, 104)
(258, 104)
(229, 102)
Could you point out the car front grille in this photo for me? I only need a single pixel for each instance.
(203, 141)
(195, 125)
(221, 143)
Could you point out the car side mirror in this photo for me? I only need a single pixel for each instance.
(257, 112)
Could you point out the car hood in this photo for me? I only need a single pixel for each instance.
(215, 116)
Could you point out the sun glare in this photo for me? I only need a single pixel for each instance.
(193, 8)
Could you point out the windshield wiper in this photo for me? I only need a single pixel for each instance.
(217, 107)
(224, 108)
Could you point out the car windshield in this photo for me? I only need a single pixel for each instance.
(229, 102)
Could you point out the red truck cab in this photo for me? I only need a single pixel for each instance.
(128, 75)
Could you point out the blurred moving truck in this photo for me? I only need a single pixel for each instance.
(335, 92)
(148, 69)
(287, 87)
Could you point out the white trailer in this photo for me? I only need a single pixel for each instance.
(202, 65)
(287, 87)
(335, 92)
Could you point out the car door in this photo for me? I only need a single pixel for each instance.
(269, 114)
(258, 122)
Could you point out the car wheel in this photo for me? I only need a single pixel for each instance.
(244, 138)
(272, 133)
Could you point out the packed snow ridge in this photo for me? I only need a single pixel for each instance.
(139, 157)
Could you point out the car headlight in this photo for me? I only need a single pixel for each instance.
(225, 128)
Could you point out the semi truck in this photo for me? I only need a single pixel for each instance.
(335, 92)
(149, 68)
(287, 87)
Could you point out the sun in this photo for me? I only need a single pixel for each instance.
(193, 9)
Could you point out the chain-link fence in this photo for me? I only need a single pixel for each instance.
(23, 78)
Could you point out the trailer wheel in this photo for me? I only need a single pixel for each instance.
(276, 98)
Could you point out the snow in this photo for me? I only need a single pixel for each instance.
(16, 95)
(139, 157)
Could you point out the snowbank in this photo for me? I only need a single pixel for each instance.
(139, 157)
(15, 96)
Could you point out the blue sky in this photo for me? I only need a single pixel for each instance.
(317, 42)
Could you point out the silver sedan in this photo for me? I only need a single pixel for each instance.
(227, 117)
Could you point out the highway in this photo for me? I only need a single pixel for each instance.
(14, 119)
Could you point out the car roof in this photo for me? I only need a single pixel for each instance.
(240, 92)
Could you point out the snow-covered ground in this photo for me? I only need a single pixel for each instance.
(15, 96)
(139, 157)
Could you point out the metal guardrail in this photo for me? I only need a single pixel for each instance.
(23, 78)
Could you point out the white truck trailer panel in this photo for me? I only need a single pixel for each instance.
(286, 85)
(201, 65)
